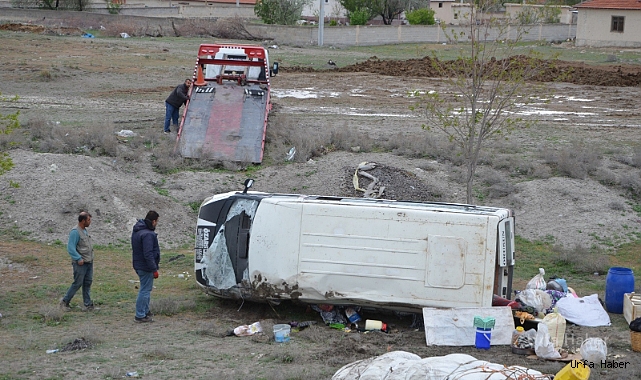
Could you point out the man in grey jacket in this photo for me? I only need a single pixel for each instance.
(80, 248)
(175, 100)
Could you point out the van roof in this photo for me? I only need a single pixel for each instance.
(370, 202)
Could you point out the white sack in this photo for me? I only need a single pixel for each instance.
(584, 311)
(543, 345)
(400, 365)
(455, 326)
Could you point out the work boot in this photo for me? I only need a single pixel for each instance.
(90, 308)
(64, 305)
(143, 319)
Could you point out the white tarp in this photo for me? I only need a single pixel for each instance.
(455, 326)
(584, 311)
(401, 365)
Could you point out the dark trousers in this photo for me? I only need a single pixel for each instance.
(82, 277)
(171, 115)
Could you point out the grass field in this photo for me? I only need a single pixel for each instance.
(316, 57)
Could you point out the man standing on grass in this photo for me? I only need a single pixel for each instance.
(80, 249)
(176, 99)
(145, 257)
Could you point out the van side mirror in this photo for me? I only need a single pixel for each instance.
(248, 183)
(275, 68)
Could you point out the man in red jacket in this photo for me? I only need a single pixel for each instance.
(145, 258)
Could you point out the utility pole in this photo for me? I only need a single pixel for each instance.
(321, 22)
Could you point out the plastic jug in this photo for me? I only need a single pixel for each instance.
(556, 328)
(281, 333)
(352, 315)
(575, 370)
(372, 324)
(483, 338)
(484, 328)
(515, 336)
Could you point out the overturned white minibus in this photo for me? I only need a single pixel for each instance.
(376, 253)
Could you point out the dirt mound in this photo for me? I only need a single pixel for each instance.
(550, 70)
(397, 184)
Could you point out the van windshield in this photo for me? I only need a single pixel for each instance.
(225, 262)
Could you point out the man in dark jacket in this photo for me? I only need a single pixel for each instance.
(176, 99)
(145, 257)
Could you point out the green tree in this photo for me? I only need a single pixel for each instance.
(358, 10)
(359, 17)
(8, 123)
(488, 90)
(422, 16)
(281, 12)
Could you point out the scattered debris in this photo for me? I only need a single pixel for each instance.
(184, 275)
(174, 258)
(125, 133)
(246, 330)
(371, 191)
(290, 155)
(77, 344)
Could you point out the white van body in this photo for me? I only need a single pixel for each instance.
(370, 252)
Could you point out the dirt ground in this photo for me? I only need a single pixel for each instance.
(122, 83)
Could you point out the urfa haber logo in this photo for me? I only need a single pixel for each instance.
(610, 364)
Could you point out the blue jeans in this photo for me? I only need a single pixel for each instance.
(144, 293)
(171, 114)
(82, 277)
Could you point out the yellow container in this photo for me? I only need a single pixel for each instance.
(575, 370)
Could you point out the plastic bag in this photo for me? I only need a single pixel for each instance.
(538, 281)
(543, 345)
(536, 298)
(594, 350)
(247, 330)
(556, 327)
(635, 325)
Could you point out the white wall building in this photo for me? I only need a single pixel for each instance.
(609, 23)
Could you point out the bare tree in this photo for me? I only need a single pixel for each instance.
(387, 9)
(489, 84)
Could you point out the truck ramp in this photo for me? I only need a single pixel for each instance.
(226, 116)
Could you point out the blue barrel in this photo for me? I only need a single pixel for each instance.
(618, 281)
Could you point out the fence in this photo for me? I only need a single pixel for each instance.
(385, 35)
(287, 35)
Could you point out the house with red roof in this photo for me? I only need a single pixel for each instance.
(603, 23)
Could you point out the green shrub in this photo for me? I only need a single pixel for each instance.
(359, 17)
(333, 22)
(113, 8)
(280, 12)
(423, 16)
